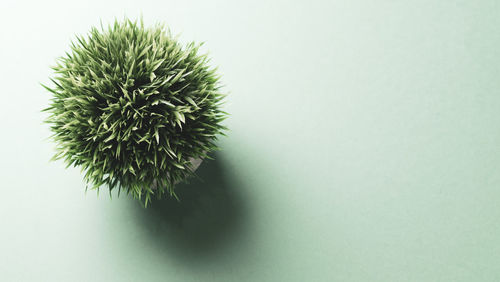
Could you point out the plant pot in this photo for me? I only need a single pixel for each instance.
(195, 164)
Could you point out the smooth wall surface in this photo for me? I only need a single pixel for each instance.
(364, 146)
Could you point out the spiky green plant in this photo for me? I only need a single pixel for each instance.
(132, 107)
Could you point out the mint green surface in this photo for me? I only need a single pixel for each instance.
(364, 146)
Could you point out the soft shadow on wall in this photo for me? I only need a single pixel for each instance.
(208, 218)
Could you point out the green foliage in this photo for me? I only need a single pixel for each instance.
(132, 106)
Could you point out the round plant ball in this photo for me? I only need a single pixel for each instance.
(134, 108)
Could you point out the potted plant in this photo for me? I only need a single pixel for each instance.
(135, 109)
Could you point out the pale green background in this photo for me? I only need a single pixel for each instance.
(364, 146)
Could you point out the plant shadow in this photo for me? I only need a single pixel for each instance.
(207, 218)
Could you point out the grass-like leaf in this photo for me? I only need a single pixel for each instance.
(132, 106)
